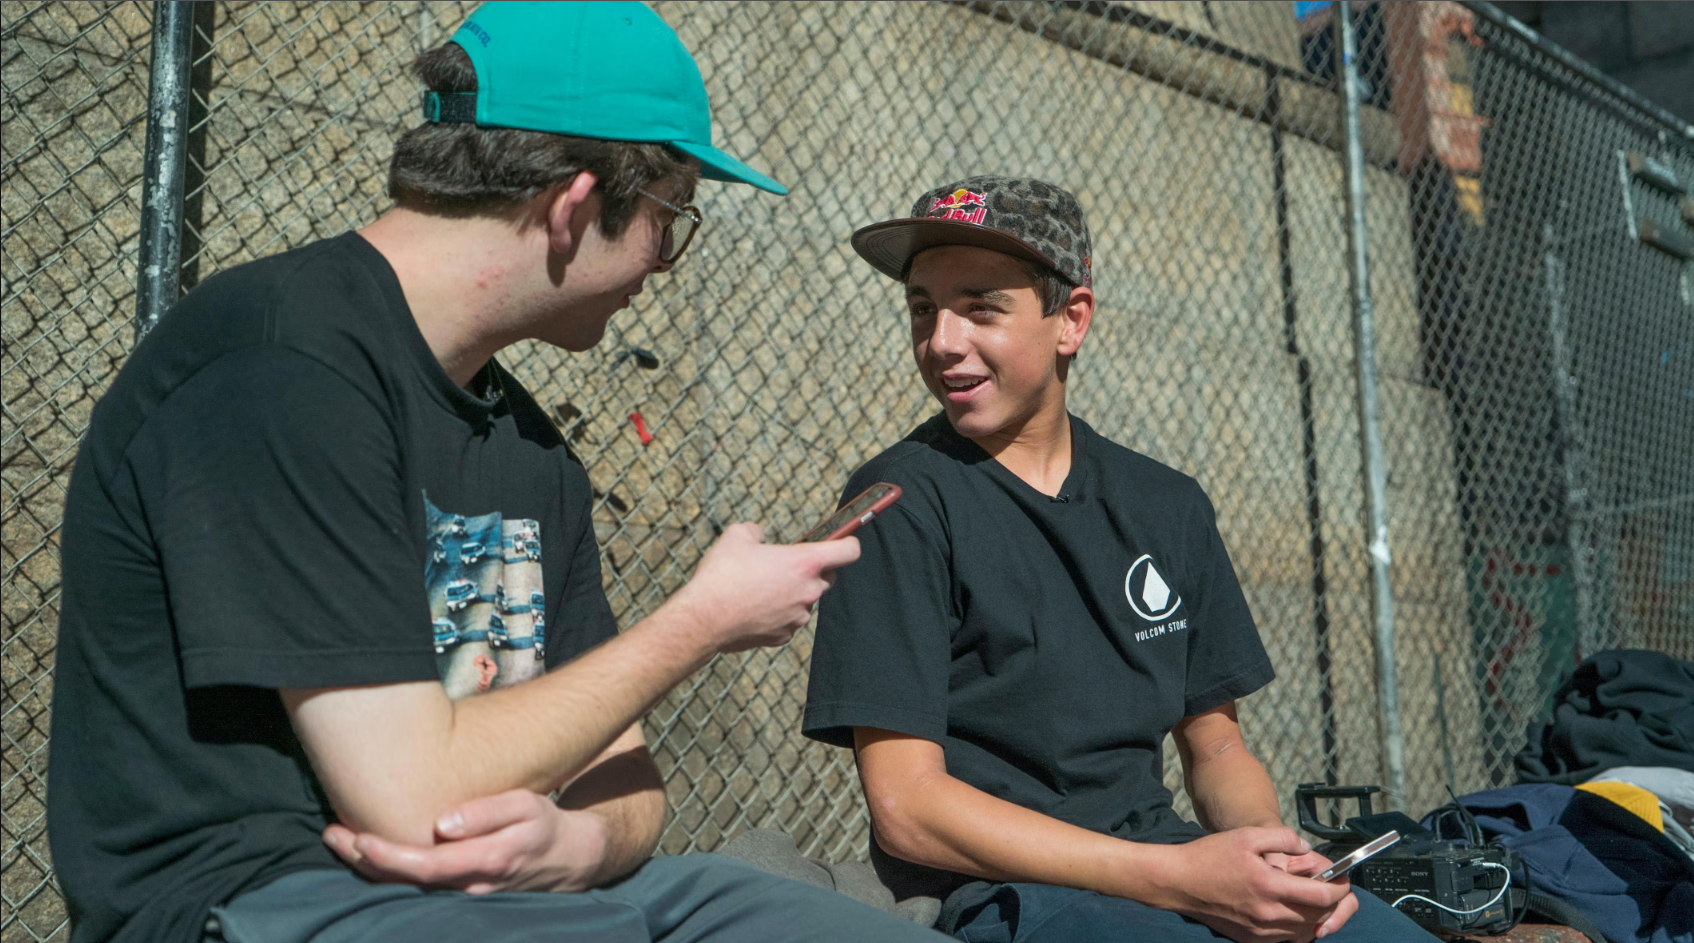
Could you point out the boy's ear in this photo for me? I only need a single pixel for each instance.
(570, 210)
(1078, 314)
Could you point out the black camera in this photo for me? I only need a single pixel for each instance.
(1448, 887)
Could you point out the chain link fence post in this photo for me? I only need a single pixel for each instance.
(160, 280)
(1370, 429)
(1571, 448)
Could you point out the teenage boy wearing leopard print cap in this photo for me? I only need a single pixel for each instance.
(1036, 613)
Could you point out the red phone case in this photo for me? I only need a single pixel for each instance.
(858, 519)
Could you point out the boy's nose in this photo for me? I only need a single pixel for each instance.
(948, 334)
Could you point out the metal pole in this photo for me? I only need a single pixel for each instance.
(160, 279)
(1570, 448)
(1370, 433)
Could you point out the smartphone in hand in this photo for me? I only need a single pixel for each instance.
(855, 513)
(1380, 843)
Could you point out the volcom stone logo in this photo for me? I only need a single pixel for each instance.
(1149, 595)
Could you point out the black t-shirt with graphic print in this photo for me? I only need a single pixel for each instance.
(1048, 643)
(283, 489)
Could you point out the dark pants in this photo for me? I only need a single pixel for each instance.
(1041, 913)
(685, 899)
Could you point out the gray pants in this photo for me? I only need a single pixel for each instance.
(669, 900)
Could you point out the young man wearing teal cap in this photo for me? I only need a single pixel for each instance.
(313, 520)
(1040, 609)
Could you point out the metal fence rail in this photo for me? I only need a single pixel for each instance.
(1533, 335)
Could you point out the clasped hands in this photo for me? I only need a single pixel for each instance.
(521, 841)
(1254, 885)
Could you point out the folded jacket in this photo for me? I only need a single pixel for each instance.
(1618, 708)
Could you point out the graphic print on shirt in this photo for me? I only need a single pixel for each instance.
(1153, 598)
(486, 601)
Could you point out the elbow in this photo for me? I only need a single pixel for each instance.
(392, 804)
(397, 823)
(900, 826)
(383, 756)
(654, 812)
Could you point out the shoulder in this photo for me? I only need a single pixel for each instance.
(252, 418)
(925, 462)
(1154, 484)
(335, 301)
(213, 399)
(232, 319)
(338, 300)
(320, 299)
(320, 270)
(274, 387)
(230, 310)
(927, 465)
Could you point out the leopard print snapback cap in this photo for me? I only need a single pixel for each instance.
(1022, 217)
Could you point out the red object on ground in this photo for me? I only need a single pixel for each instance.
(641, 428)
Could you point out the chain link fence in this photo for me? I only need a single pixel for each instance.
(1534, 335)
(73, 93)
(1558, 326)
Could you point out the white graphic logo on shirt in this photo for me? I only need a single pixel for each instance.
(1149, 595)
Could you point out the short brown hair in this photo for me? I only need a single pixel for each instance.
(465, 169)
(1053, 287)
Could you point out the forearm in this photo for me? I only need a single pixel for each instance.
(945, 823)
(1231, 789)
(573, 713)
(394, 757)
(624, 789)
(440, 753)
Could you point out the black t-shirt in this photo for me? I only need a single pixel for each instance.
(1047, 643)
(283, 489)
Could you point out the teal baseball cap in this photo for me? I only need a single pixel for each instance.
(611, 70)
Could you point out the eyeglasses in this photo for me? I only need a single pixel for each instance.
(680, 231)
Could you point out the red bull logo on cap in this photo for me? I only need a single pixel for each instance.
(957, 205)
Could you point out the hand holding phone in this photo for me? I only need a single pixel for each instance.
(855, 513)
(1380, 843)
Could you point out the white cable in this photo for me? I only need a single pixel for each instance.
(1465, 913)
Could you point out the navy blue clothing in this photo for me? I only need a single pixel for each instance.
(1595, 855)
(1047, 643)
(1041, 913)
(283, 489)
